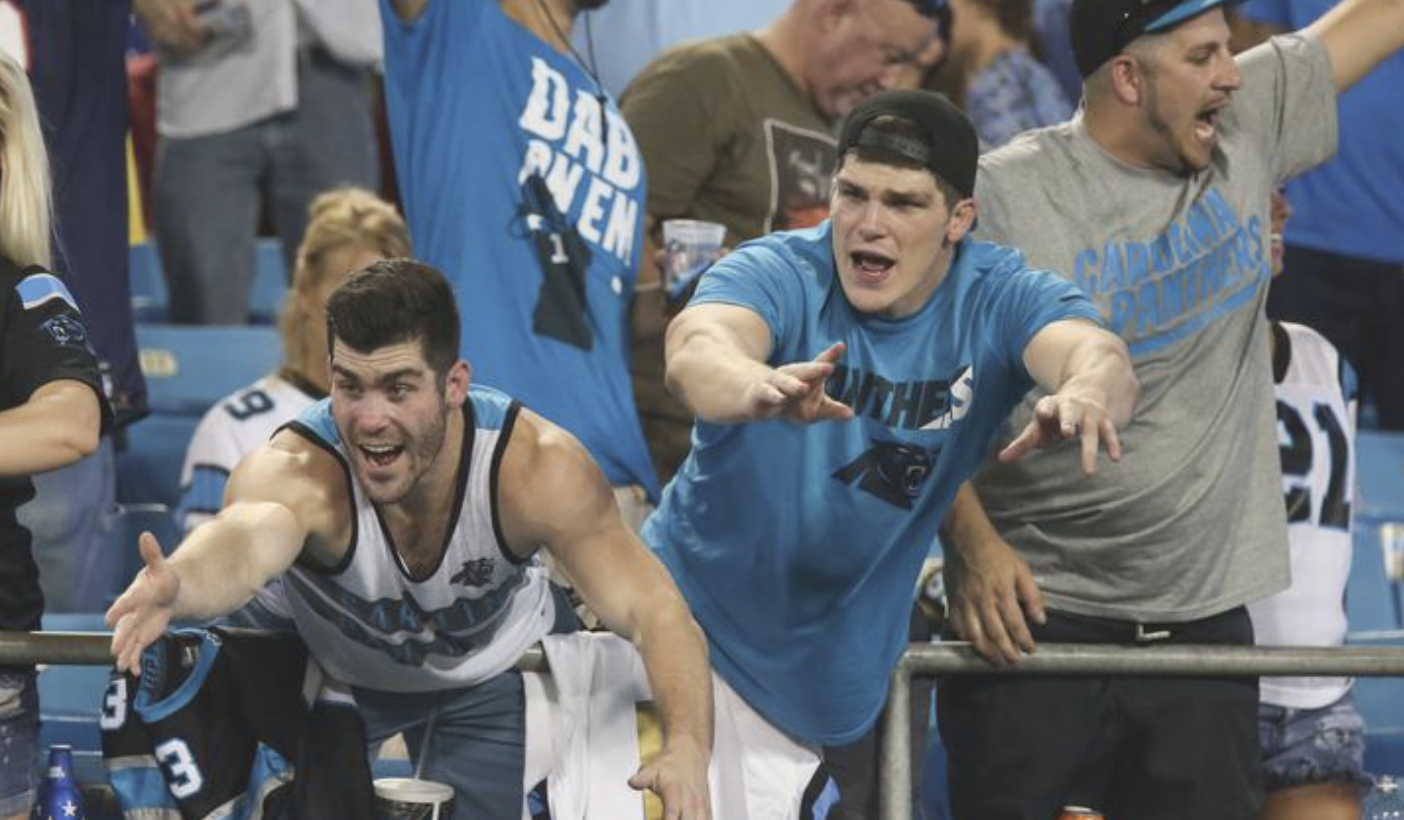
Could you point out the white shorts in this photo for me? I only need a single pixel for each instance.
(590, 722)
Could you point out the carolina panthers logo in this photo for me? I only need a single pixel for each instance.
(66, 330)
(474, 573)
(890, 470)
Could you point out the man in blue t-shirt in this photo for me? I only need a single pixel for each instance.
(523, 184)
(846, 379)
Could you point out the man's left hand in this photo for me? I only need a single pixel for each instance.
(1064, 416)
(678, 775)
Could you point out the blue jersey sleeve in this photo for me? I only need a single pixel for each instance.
(759, 277)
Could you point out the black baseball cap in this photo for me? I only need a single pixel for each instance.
(1102, 28)
(950, 150)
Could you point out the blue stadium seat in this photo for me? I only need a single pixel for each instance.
(150, 297)
(189, 368)
(1374, 596)
(270, 283)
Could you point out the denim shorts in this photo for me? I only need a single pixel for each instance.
(19, 741)
(1306, 746)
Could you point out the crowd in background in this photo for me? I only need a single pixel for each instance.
(322, 122)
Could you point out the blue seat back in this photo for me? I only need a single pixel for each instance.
(189, 368)
(270, 283)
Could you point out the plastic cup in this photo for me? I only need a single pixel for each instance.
(690, 246)
(405, 798)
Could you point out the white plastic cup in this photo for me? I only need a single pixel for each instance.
(690, 246)
(405, 798)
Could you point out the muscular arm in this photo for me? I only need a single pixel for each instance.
(280, 499)
(552, 494)
(716, 358)
(56, 426)
(1358, 34)
(1087, 372)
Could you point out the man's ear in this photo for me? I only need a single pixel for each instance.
(962, 220)
(456, 382)
(1127, 79)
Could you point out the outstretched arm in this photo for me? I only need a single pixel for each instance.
(716, 358)
(272, 504)
(551, 493)
(55, 427)
(1092, 391)
(1358, 35)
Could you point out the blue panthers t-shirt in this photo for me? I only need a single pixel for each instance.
(523, 184)
(798, 546)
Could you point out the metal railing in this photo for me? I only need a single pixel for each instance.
(1182, 660)
(920, 660)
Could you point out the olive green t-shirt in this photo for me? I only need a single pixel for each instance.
(728, 137)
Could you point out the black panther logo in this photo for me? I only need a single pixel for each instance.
(474, 573)
(890, 470)
(562, 311)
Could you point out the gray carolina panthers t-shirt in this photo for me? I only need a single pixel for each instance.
(1191, 522)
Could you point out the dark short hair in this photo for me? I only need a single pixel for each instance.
(899, 129)
(394, 301)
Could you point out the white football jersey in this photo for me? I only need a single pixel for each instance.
(1316, 405)
(240, 422)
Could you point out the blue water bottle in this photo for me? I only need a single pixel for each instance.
(59, 797)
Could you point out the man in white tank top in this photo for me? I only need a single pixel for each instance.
(403, 514)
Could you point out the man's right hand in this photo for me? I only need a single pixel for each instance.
(994, 598)
(172, 25)
(796, 391)
(141, 614)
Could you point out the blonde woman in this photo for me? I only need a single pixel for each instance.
(51, 405)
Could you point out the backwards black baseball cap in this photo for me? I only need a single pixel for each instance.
(950, 149)
(1101, 29)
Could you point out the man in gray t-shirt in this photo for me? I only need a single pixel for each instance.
(1153, 199)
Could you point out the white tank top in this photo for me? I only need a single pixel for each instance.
(370, 623)
(1316, 435)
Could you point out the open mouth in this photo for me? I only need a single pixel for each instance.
(871, 266)
(380, 455)
(1206, 125)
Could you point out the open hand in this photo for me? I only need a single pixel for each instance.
(1063, 416)
(142, 613)
(796, 391)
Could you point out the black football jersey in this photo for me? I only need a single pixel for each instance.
(232, 723)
